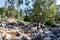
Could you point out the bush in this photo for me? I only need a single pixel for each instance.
(50, 23)
(53, 25)
(27, 19)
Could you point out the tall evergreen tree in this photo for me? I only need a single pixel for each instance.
(39, 10)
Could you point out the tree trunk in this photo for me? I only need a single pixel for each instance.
(38, 26)
(41, 23)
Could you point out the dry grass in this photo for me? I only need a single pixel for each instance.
(11, 20)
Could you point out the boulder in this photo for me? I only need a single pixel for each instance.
(48, 33)
(17, 34)
(0, 37)
(8, 37)
(55, 31)
(43, 35)
(37, 37)
(52, 36)
(58, 35)
(18, 23)
(3, 35)
(41, 31)
(47, 38)
(24, 38)
(3, 24)
(17, 38)
(58, 38)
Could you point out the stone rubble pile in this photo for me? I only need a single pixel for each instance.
(28, 33)
(43, 34)
(12, 34)
(48, 34)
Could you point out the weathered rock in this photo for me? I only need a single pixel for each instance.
(58, 38)
(58, 29)
(3, 35)
(55, 31)
(47, 38)
(43, 35)
(4, 24)
(24, 38)
(58, 35)
(8, 37)
(37, 37)
(52, 36)
(18, 23)
(41, 31)
(17, 38)
(48, 33)
(17, 33)
(0, 37)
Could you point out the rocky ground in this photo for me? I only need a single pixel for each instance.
(12, 34)
(32, 34)
(19, 31)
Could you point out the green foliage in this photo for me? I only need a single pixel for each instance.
(50, 23)
(51, 13)
(11, 13)
(34, 16)
(2, 13)
(26, 18)
(43, 9)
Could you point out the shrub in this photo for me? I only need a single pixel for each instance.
(50, 23)
(27, 19)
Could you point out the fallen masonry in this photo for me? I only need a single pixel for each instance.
(11, 34)
(28, 32)
(18, 34)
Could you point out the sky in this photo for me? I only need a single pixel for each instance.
(2, 2)
(58, 2)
